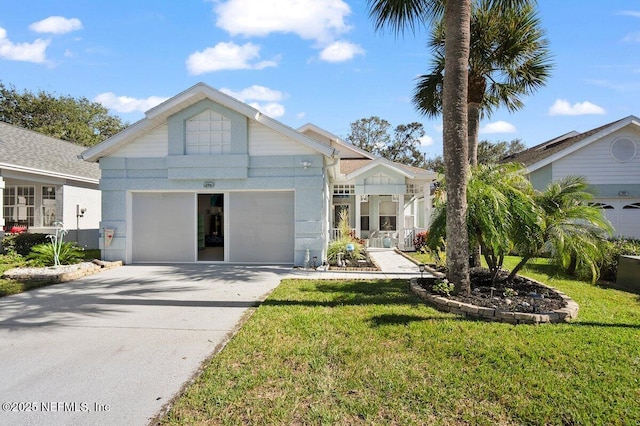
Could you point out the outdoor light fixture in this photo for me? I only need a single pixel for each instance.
(305, 164)
(422, 268)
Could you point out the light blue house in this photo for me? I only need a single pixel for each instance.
(205, 177)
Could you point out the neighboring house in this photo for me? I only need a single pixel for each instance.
(42, 181)
(205, 177)
(609, 158)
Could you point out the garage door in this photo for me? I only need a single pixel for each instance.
(261, 227)
(624, 215)
(163, 227)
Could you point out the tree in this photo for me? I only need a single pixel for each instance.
(76, 120)
(501, 213)
(370, 134)
(402, 14)
(405, 146)
(493, 152)
(569, 228)
(509, 58)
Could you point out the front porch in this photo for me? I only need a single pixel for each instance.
(382, 220)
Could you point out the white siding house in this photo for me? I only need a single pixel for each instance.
(206, 178)
(608, 157)
(42, 181)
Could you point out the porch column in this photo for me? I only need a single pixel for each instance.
(357, 216)
(428, 202)
(400, 221)
(2, 206)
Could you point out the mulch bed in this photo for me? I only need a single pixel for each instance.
(518, 295)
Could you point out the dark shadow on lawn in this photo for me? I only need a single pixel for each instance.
(395, 319)
(354, 293)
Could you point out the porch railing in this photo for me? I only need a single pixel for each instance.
(335, 234)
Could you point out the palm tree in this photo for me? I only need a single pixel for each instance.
(509, 58)
(569, 229)
(501, 212)
(400, 14)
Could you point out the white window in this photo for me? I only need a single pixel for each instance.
(339, 189)
(49, 206)
(208, 133)
(19, 205)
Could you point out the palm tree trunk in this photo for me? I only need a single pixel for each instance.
(473, 128)
(456, 149)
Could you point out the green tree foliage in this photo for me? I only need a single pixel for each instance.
(505, 213)
(372, 135)
(76, 120)
(492, 152)
(509, 58)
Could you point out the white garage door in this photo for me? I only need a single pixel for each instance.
(163, 227)
(261, 227)
(624, 215)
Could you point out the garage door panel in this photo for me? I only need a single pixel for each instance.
(163, 227)
(624, 216)
(261, 227)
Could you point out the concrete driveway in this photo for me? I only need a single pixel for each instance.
(113, 348)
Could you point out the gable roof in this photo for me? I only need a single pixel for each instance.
(554, 149)
(28, 151)
(333, 138)
(160, 113)
(353, 167)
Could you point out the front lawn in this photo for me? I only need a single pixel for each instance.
(369, 352)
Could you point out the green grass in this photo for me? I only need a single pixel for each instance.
(9, 287)
(369, 352)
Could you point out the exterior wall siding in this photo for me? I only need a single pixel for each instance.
(596, 163)
(265, 142)
(153, 144)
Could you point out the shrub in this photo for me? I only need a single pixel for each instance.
(22, 243)
(443, 287)
(43, 254)
(340, 245)
(611, 252)
(420, 241)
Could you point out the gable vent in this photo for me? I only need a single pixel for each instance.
(623, 149)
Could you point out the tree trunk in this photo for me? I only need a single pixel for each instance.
(473, 128)
(456, 148)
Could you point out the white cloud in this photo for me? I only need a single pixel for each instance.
(426, 140)
(498, 127)
(56, 25)
(319, 20)
(634, 13)
(563, 107)
(632, 38)
(27, 52)
(340, 51)
(127, 104)
(256, 93)
(227, 56)
(271, 109)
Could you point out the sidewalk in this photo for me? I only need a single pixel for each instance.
(392, 264)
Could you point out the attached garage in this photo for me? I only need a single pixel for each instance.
(163, 227)
(623, 214)
(261, 227)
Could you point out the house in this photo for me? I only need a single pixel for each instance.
(205, 177)
(609, 158)
(43, 181)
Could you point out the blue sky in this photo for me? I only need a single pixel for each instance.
(302, 61)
